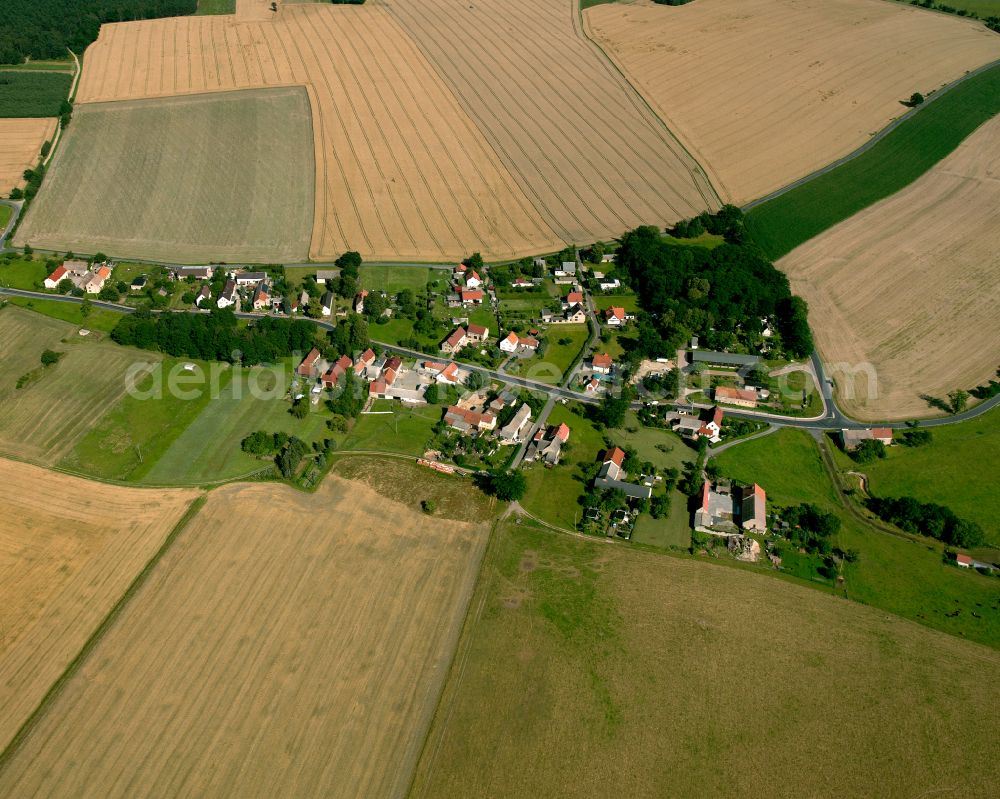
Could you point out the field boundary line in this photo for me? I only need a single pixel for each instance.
(584, 30)
(95, 637)
(874, 139)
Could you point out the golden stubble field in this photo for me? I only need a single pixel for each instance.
(582, 144)
(20, 143)
(69, 549)
(594, 670)
(286, 645)
(43, 420)
(911, 285)
(764, 92)
(401, 170)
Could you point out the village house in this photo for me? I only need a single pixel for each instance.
(511, 432)
(743, 397)
(326, 276)
(247, 278)
(204, 294)
(566, 269)
(76, 267)
(93, 282)
(614, 317)
(512, 342)
(196, 272)
(365, 362)
(707, 424)
(608, 258)
(326, 304)
(228, 296)
(261, 296)
(455, 341)
(332, 376)
(303, 300)
(474, 297)
(502, 400)
(522, 283)
(573, 298)
(602, 364)
(547, 445)
(591, 386)
(730, 360)
(138, 283)
(610, 285)
(728, 509)
(477, 334)
(58, 275)
(850, 439)
(308, 367)
(450, 375)
(466, 421)
(359, 301)
(611, 474)
(473, 280)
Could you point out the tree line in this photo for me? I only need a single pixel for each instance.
(927, 518)
(47, 28)
(215, 336)
(720, 294)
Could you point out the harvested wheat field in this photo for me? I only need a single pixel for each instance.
(286, 645)
(69, 549)
(182, 179)
(912, 285)
(401, 170)
(606, 671)
(764, 92)
(584, 147)
(20, 143)
(56, 405)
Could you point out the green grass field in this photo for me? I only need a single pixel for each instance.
(6, 212)
(903, 576)
(26, 93)
(72, 312)
(22, 274)
(901, 157)
(217, 7)
(404, 430)
(53, 65)
(130, 153)
(589, 669)
(630, 302)
(551, 366)
(959, 469)
(44, 420)
(393, 279)
(209, 447)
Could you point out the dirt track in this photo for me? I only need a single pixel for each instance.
(912, 285)
(764, 92)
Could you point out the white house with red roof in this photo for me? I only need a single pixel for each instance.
(359, 301)
(337, 370)
(364, 362)
(573, 298)
(59, 274)
(465, 420)
(614, 316)
(261, 296)
(602, 364)
(547, 444)
(743, 397)
(473, 280)
(471, 297)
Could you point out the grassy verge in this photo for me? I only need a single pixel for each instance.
(903, 575)
(72, 312)
(216, 7)
(897, 160)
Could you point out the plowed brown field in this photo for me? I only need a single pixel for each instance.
(285, 645)
(20, 142)
(402, 171)
(764, 92)
(69, 549)
(583, 145)
(912, 285)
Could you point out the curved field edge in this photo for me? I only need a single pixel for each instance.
(897, 160)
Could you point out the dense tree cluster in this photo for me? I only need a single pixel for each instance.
(869, 451)
(927, 518)
(719, 294)
(504, 485)
(46, 28)
(215, 336)
(811, 527)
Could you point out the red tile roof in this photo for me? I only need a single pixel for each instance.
(616, 455)
(729, 393)
(455, 339)
(602, 361)
(469, 296)
(618, 313)
(57, 273)
(574, 297)
(960, 558)
(562, 432)
(478, 330)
